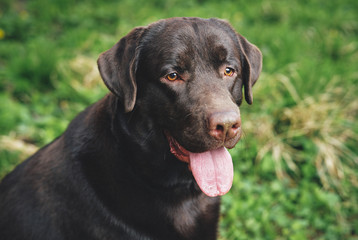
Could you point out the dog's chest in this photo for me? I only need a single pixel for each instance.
(190, 216)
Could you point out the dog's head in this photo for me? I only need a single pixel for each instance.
(187, 75)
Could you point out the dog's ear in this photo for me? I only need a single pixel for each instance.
(117, 67)
(251, 66)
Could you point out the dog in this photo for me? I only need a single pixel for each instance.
(149, 160)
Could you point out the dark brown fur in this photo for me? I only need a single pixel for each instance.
(111, 175)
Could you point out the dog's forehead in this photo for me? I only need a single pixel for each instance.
(189, 39)
(188, 32)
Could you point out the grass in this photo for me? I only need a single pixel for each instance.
(295, 169)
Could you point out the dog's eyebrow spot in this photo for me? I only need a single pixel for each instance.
(220, 53)
(179, 61)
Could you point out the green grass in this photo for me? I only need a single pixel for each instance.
(296, 167)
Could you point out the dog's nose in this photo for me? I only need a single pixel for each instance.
(224, 125)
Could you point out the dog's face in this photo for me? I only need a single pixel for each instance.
(187, 75)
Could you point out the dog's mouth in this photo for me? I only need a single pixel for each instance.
(213, 169)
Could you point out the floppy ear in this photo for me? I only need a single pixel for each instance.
(117, 67)
(251, 66)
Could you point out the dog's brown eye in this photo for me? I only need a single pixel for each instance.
(172, 76)
(229, 72)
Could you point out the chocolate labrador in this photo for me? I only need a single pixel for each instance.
(149, 160)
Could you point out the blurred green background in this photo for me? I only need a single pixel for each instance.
(296, 167)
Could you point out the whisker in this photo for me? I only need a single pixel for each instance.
(147, 137)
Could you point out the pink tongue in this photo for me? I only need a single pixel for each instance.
(213, 171)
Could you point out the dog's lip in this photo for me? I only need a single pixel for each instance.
(176, 149)
(182, 153)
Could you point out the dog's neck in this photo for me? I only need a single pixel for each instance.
(129, 136)
(143, 137)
